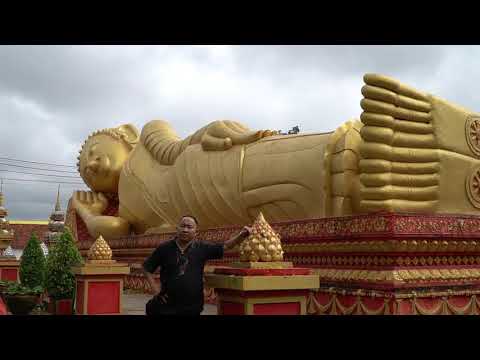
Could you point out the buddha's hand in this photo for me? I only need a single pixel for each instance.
(91, 202)
(222, 135)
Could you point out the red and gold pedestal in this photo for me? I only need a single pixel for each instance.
(99, 287)
(249, 289)
(396, 264)
(9, 268)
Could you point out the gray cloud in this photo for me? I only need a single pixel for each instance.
(52, 97)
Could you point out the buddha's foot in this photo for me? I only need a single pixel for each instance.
(419, 153)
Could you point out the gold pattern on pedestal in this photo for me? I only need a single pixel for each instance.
(263, 244)
(392, 246)
(406, 275)
(399, 156)
(100, 250)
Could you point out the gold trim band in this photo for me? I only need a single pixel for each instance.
(385, 246)
(404, 275)
(249, 283)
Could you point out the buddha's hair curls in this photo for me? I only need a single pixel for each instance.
(128, 134)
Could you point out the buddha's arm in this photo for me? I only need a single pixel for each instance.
(165, 146)
(89, 207)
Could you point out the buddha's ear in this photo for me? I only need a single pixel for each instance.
(129, 132)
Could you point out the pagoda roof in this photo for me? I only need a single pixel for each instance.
(29, 222)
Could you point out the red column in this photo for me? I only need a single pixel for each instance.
(9, 269)
(100, 288)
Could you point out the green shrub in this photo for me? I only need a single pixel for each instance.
(5, 283)
(60, 280)
(32, 264)
(15, 288)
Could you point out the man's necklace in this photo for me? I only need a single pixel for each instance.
(182, 249)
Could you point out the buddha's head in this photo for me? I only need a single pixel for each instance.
(102, 157)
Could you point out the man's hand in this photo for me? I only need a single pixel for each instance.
(245, 232)
(162, 298)
(237, 239)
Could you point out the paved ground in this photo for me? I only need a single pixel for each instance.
(134, 304)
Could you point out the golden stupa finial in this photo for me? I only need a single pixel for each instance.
(1, 192)
(3, 210)
(57, 203)
(263, 244)
(6, 235)
(100, 250)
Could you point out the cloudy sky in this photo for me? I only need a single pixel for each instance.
(52, 97)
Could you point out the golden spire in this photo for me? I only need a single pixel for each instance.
(56, 223)
(263, 244)
(6, 235)
(57, 203)
(100, 250)
(3, 210)
(1, 192)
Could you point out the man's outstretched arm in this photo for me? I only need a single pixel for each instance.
(237, 239)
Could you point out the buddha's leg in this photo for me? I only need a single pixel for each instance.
(283, 177)
(419, 153)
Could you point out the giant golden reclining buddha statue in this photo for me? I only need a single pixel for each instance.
(409, 152)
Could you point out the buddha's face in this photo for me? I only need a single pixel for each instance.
(101, 162)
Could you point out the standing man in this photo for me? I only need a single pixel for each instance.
(181, 261)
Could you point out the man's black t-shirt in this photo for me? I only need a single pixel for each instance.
(181, 275)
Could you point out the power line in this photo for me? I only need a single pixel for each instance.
(53, 185)
(35, 162)
(44, 181)
(34, 168)
(28, 173)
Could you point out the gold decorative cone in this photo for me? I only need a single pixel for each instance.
(263, 244)
(100, 250)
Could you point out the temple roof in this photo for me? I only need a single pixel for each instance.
(29, 222)
(23, 230)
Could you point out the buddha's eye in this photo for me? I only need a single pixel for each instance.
(91, 150)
